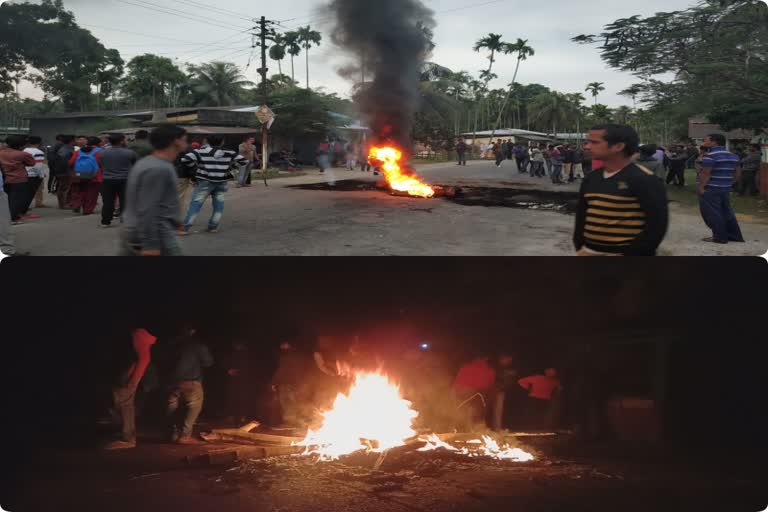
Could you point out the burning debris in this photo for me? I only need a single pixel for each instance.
(388, 159)
(387, 39)
(372, 417)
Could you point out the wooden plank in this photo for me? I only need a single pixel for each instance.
(256, 437)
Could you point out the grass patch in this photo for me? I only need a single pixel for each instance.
(750, 206)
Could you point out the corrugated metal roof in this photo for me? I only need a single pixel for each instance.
(198, 130)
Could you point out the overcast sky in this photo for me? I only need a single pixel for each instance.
(558, 63)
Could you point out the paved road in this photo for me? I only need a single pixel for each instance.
(285, 221)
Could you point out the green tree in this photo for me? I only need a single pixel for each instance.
(553, 110)
(277, 51)
(292, 46)
(523, 51)
(717, 51)
(218, 84)
(622, 115)
(152, 80)
(309, 38)
(300, 112)
(599, 114)
(595, 88)
(70, 61)
(494, 44)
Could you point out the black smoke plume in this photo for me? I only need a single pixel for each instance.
(387, 42)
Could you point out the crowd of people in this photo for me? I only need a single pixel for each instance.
(349, 154)
(623, 207)
(147, 182)
(144, 182)
(566, 163)
(307, 378)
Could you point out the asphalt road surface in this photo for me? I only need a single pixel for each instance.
(283, 220)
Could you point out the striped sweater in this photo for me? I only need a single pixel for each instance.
(213, 164)
(625, 214)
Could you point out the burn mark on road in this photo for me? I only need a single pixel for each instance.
(503, 197)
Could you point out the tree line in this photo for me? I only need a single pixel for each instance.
(716, 53)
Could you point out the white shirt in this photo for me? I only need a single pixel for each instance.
(37, 170)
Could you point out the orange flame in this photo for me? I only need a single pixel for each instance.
(390, 158)
(373, 416)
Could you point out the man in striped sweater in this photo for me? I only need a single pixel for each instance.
(213, 170)
(623, 208)
(719, 170)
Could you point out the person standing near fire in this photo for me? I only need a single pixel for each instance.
(291, 386)
(186, 359)
(124, 391)
(474, 388)
(623, 210)
(542, 389)
(506, 374)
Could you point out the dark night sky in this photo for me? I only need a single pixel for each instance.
(62, 318)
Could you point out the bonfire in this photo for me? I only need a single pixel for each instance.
(374, 417)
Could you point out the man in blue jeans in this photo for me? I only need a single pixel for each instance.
(188, 357)
(213, 170)
(719, 170)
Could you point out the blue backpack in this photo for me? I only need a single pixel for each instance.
(86, 165)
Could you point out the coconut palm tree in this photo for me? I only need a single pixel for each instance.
(622, 114)
(523, 52)
(218, 83)
(308, 38)
(494, 44)
(552, 110)
(292, 46)
(601, 113)
(595, 88)
(277, 52)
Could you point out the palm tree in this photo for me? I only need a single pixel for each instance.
(218, 83)
(494, 44)
(601, 113)
(553, 110)
(308, 38)
(523, 52)
(277, 52)
(622, 114)
(292, 46)
(595, 88)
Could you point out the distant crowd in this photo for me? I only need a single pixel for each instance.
(570, 162)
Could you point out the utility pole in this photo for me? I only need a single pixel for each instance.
(264, 95)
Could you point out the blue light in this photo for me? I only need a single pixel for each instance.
(424, 346)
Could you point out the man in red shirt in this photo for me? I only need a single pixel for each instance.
(14, 162)
(474, 386)
(124, 393)
(541, 389)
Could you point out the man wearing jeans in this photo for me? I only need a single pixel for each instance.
(189, 357)
(719, 170)
(213, 170)
(124, 393)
